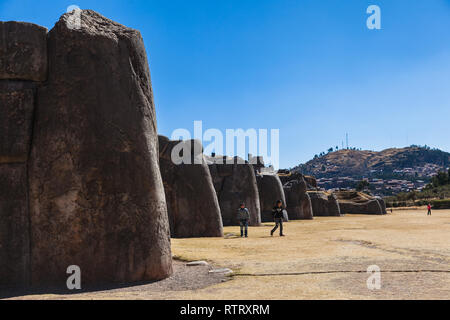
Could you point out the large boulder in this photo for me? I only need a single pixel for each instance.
(353, 202)
(192, 202)
(96, 194)
(298, 202)
(23, 51)
(235, 182)
(324, 204)
(14, 226)
(270, 190)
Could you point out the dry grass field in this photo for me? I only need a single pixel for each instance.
(324, 258)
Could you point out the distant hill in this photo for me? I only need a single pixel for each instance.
(414, 161)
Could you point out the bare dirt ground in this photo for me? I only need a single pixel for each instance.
(324, 258)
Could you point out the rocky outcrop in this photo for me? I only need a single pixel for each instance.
(96, 194)
(235, 182)
(270, 190)
(298, 202)
(192, 202)
(23, 61)
(353, 202)
(324, 204)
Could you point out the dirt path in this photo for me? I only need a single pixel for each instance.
(325, 258)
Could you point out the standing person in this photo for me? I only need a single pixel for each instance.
(244, 218)
(429, 209)
(278, 217)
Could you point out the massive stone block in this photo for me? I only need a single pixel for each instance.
(16, 115)
(96, 193)
(270, 190)
(235, 183)
(368, 207)
(192, 202)
(353, 202)
(14, 226)
(324, 204)
(298, 203)
(23, 51)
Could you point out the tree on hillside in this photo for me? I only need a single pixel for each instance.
(441, 179)
(361, 185)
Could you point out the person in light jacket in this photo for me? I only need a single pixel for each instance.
(244, 217)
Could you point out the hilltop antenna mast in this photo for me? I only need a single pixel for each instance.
(346, 139)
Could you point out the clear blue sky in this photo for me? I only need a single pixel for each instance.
(310, 68)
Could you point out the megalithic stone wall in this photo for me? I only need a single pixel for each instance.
(93, 185)
(234, 183)
(270, 190)
(191, 199)
(298, 202)
(353, 202)
(23, 64)
(324, 204)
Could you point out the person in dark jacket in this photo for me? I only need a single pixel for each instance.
(244, 218)
(277, 212)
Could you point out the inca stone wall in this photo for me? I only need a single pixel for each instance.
(383, 205)
(270, 190)
(235, 183)
(368, 207)
(298, 202)
(23, 64)
(93, 185)
(353, 202)
(324, 204)
(192, 203)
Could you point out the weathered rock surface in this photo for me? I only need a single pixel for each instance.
(96, 193)
(311, 182)
(383, 205)
(235, 183)
(368, 207)
(270, 190)
(285, 177)
(353, 202)
(23, 51)
(191, 199)
(324, 204)
(14, 226)
(16, 116)
(298, 203)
